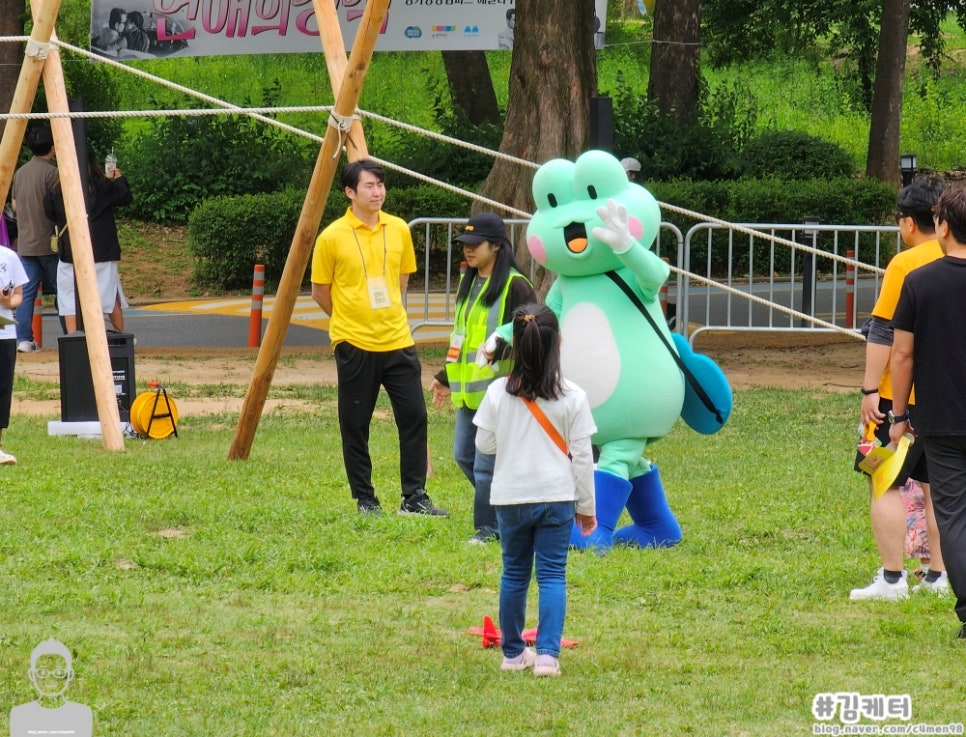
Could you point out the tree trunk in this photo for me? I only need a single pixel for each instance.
(11, 54)
(553, 75)
(883, 159)
(471, 86)
(673, 83)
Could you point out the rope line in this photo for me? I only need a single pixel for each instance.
(771, 305)
(223, 107)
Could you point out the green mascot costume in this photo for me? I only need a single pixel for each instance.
(595, 229)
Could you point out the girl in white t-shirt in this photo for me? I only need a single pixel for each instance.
(539, 426)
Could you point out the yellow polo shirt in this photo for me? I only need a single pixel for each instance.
(348, 254)
(885, 306)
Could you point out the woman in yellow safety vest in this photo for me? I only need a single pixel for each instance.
(489, 291)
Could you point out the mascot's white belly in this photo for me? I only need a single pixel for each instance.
(589, 354)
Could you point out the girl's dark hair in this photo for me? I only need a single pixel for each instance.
(536, 354)
(502, 266)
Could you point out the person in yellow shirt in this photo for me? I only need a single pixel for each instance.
(360, 271)
(887, 512)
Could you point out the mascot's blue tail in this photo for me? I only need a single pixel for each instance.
(611, 493)
(654, 524)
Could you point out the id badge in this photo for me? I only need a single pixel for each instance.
(378, 293)
(455, 346)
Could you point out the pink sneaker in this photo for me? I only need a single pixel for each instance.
(546, 665)
(521, 662)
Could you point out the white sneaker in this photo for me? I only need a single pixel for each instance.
(939, 587)
(882, 589)
(6, 459)
(27, 346)
(521, 662)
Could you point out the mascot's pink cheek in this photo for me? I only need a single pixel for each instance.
(537, 249)
(634, 225)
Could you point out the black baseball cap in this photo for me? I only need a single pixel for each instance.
(484, 226)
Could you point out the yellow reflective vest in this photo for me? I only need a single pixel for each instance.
(467, 381)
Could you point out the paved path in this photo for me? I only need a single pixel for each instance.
(223, 323)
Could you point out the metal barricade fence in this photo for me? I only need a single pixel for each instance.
(747, 270)
(761, 285)
(433, 241)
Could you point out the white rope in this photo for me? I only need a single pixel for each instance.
(36, 50)
(771, 305)
(261, 114)
(454, 141)
(342, 124)
(178, 112)
(775, 239)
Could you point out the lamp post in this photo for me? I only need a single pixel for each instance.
(907, 167)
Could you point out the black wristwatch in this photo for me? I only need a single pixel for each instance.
(867, 392)
(894, 418)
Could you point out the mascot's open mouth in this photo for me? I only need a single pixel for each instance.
(575, 235)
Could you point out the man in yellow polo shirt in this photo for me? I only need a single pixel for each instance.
(360, 271)
(888, 514)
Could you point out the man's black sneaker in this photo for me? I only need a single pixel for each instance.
(421, 504)
(369, 506)
(961, 635)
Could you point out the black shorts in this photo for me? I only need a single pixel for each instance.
(915, 463)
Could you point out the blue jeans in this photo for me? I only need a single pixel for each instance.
(531, 532)
(477, 467)
(40, 270)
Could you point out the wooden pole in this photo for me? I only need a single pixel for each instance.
(26, 91)
(305, 232)
(335, 61)
(71, 178)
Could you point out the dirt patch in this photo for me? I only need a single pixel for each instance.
(800, 359)
(782, 360)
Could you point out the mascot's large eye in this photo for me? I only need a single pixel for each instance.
(592, 191)
(553, 185)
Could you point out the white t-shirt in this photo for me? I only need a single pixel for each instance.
(12, 274)
(529, 466)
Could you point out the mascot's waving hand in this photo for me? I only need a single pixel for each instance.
(594, 229)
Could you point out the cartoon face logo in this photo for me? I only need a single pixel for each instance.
(567, 195)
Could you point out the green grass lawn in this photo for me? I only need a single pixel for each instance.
(207, 597)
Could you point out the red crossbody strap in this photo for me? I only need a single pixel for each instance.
(546, 425)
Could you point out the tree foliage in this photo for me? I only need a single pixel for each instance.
(178, 161)
(737, 31)
(703, 148)
(91, 83)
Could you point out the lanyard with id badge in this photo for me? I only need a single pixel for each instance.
(376, 285)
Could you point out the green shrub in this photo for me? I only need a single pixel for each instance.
(457, 165)
(229, 235)
(839, 201)
(426, 201)
(705, 149)
(794, 155)
(178, 161)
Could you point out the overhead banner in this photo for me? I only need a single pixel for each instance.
(144, 29)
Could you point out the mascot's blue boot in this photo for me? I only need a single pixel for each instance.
(654, 524)
(611, 494)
